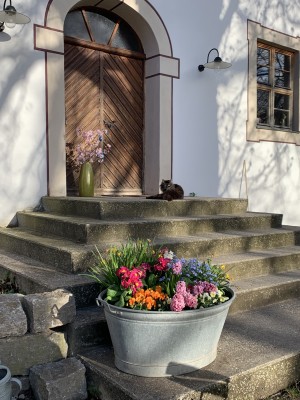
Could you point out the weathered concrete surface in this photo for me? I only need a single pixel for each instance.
(133, 207)
(13, 321)
(33, 276)
(258, 354)
(259, 349)
(88, 230)
(263, 290)
(49, 310)
(62, 380)
(71, 257)
(21, 353)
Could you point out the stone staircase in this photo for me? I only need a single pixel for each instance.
(259, 350)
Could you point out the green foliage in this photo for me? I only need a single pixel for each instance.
(130, 254)
(8, 285)
(291, 393)
(94, 393)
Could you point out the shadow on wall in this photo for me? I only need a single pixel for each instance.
(272, 169)
(199, 120)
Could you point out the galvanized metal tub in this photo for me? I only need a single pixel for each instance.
(157, 344)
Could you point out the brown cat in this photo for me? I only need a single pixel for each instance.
(170, 191)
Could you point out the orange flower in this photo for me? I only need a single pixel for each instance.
(150, 302)
(132, 301)
(147, 298)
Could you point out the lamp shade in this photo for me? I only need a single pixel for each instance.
(219, 64)
(10, 16)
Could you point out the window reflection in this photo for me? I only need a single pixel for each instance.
(263, 107)
(101, 27)
(75, 27)
(126, 38)
(263, 74)
(274, 94)
(105, 28)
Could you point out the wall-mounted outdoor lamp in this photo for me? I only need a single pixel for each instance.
(10, 17)
(216, 64)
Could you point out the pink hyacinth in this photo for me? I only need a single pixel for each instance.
(177, 302)
(198, 289)
(210, 287)
(190, 300)
(177, 268)
(181, 288)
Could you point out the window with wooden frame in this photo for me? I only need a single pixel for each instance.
(102, 30)
(274, 87)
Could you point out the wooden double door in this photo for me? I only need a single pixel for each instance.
(104, 90)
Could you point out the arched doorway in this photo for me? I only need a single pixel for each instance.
(104, 89)
(160, 69)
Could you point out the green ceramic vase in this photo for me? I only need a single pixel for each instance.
(86, 180)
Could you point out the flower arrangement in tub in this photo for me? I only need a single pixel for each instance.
(138, 276)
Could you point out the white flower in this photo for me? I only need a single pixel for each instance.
(169, 255)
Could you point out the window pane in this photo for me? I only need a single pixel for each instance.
(281, 101)
(281, 118)
(263, 56)
(263, 75)
(126, 38)
(281, 113)
(282, 79)
(74, 26)
(263, 107)
(283, 61)
(100, 26)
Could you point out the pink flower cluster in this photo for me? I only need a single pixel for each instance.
(166, 261)
(183, 298)
(131, 278)
(177, 267)
(162, 264)
(90, 149)
(204, 287)
(187, 296)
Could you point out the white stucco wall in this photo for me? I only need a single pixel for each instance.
(210, 109)
(209, 115)
(23, 178)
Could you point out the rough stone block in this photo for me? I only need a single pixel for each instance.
(62, 380)
(49, 309)
(22, 352)
(13, 320)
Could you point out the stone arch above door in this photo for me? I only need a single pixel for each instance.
(160, 69)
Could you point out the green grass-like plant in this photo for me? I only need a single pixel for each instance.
(130, 254)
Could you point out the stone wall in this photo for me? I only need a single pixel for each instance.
(26, 335)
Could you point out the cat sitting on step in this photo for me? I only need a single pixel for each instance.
(170, 191)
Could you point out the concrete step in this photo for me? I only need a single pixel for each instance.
(258, 354)
(66, 255)
(260, 291)
(139, 207)
(260, 262)
(88, 230)
(214, 244)
(35, 277)
(63, 255)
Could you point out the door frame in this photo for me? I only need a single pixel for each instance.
(160, 69)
